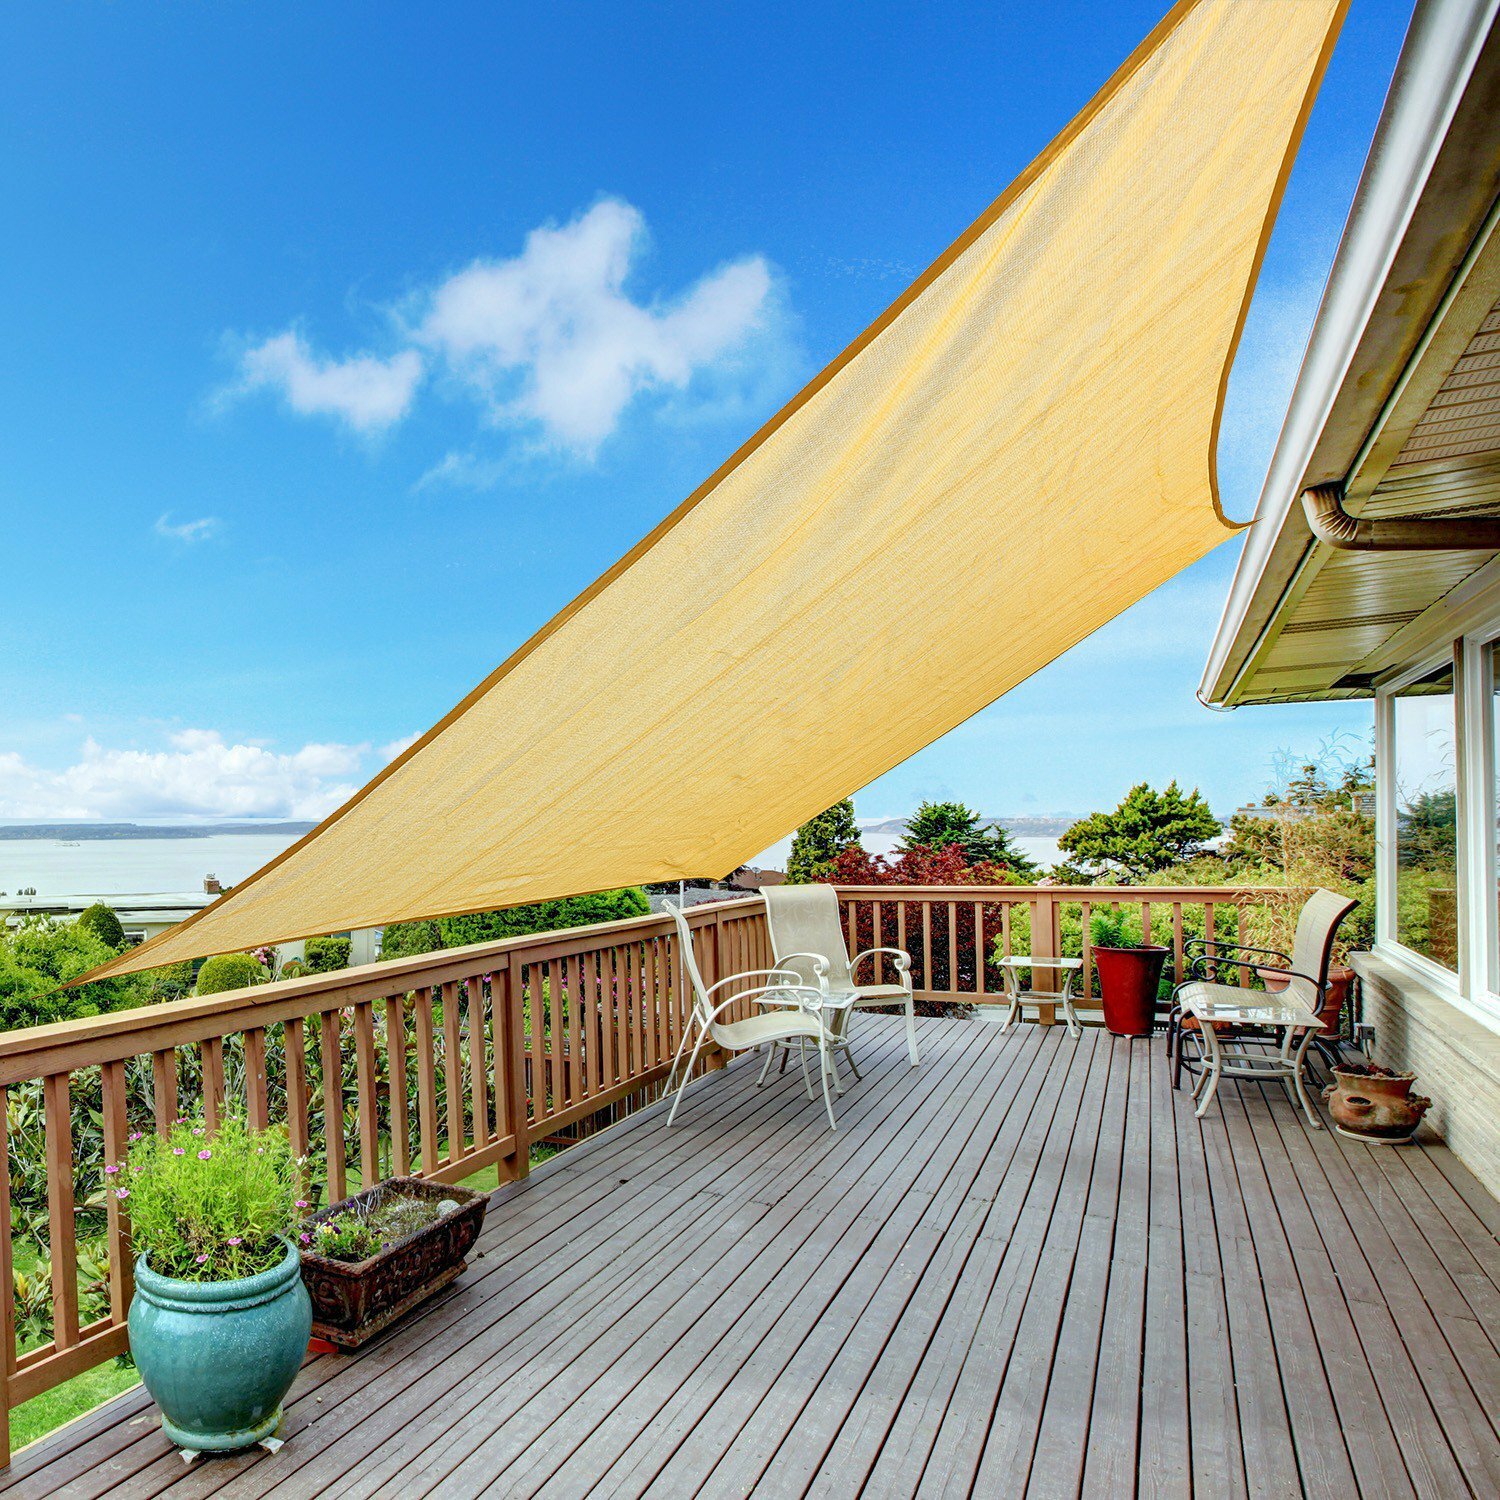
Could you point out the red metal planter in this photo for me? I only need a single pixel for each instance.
(353, 1301)
(1128, 981)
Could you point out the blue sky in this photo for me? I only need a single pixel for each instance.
(345, 343)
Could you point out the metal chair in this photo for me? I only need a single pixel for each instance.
(806, 930)
(794, 1012)
(1307, 984)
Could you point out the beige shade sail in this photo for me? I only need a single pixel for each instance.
(1017, 450)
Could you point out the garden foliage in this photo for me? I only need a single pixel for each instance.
(820, 841)
(230, 971)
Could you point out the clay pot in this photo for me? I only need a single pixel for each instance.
(1128, 981)
(1339, 980)
(1375, 1104)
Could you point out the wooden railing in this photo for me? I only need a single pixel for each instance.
(443, 1065)
(945, 928)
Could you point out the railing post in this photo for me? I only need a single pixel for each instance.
(7, 1283)
(511, 1115)
(1045, 929)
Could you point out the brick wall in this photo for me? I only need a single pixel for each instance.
(1456, 1060)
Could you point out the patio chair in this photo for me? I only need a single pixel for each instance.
(793, 1013)
(805, 927)
(1307, 984)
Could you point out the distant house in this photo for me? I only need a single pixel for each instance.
(142, 914)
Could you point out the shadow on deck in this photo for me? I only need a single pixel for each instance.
(1003, 1274)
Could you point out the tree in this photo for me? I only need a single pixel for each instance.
(41, 955)
(543, 916)
(409, 939)
(229, 971)
(820, 841)
(323, 955)
(1148, 831)
(104, 924)
(937, 825)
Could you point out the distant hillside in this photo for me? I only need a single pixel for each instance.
(82, 831)
(1027, 827)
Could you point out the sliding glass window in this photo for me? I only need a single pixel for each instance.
(1425, 783)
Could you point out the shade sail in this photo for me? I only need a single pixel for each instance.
(1020, 448)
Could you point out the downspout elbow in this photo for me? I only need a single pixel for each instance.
(1332, 524)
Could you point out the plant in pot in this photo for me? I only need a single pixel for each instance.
(220, 1319)
(1129, 975)
(375, 1256)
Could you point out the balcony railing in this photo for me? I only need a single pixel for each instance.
(442, 1066)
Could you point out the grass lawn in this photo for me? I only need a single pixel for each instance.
(37, 1417)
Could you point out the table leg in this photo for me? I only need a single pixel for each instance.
(1298, 1062)
(1213, 1069)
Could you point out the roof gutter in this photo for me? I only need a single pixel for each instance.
(1437, 60)
(1323, 504)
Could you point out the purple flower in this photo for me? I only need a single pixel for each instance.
(135, 1135)
(234, 1239)
(302, 1203)
(110, 1170)
(178, 1151)
(204, 1154)
(201, 1259)
(197, 1130)
(260, 1150)
(305, 1238)
(122, 1192)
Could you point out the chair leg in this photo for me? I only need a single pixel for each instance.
(1298, 1063)
(802, 1058)
(911, 1032)
(686, 1077)
(1211, 1072)
(853, 1066)
(786, 1053)
(826, 1063)
(765, 1067)
(681, 1048)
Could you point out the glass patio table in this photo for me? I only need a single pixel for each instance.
(1216, 1005)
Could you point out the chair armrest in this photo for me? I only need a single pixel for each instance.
(794, 996)
(818, 961)
(1220, 945)
(789, 976)
(898, 956)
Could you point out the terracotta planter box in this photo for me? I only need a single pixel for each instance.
(353, 1300)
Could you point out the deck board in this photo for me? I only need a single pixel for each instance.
(1003, 1273)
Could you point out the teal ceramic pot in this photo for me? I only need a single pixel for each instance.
(218, 1356)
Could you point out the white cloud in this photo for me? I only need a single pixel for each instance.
(186, 531)
(367, 392)
(197, 776)
(552, 338)
(548, 342)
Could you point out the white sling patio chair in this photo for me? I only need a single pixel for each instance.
(794, 1013)
(805, 928)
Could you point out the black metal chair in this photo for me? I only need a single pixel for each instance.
(1306, 967)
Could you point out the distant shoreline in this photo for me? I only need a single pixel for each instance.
(80, 832)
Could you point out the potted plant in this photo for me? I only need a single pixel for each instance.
(375, 1256)
(220, 1319)
(1129, 975)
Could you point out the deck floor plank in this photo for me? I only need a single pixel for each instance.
(1023, 1266)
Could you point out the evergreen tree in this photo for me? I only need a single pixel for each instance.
(1148, 831)
(937, 825)
(820, 841)
(104, 924)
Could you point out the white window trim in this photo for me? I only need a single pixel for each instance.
(1475, 989)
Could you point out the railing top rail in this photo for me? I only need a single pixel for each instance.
(1068, 893)
(32, 1051)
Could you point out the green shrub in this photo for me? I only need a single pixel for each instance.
(293, 968)
(209, 1207)
(544, 916)
(229, 971)
(325, 954)
(104, 924)
(410, 939)
(40, 956)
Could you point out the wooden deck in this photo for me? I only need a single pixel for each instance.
(1002, 1275)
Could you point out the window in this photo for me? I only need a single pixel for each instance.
(1425, 784)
